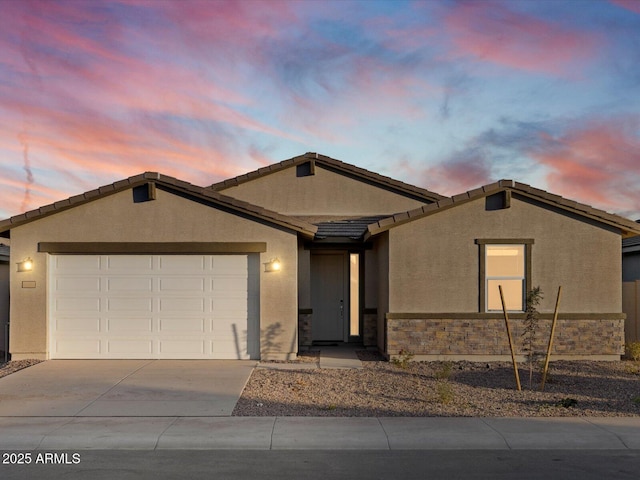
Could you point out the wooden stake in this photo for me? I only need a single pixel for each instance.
(513, 353)
(550, 346)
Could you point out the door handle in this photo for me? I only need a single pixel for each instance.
(341, 308)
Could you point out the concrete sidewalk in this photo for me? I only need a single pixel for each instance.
(315, 433)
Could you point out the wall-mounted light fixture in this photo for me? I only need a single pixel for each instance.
(273, 265)
(25, 265)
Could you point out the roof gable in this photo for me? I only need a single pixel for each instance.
(171, 184)
(336, 166)
(627, 227)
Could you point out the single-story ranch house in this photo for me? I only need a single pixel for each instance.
(307, 251)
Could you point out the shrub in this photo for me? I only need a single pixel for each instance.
(445, 371)
(403, 359)
(568, 402)
(632, 351)
(445, 392)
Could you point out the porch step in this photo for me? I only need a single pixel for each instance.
(342, 356)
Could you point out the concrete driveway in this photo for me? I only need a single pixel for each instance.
(123, 388)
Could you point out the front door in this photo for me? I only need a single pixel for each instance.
(328, 297)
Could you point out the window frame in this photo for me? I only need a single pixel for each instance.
(482, 243)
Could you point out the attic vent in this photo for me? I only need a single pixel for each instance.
(144, 193)
(498, 201)
(306, 169)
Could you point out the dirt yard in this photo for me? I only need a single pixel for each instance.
(444, 389)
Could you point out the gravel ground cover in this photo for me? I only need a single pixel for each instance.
(443, 389)
(13, 366)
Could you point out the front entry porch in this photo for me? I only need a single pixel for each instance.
(335, 297)
(334, 286)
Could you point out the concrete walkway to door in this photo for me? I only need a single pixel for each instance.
(125, 388)
(340, 356)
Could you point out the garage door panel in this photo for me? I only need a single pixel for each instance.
(228, 343)
(185, 325)
(184, 305)
(78, 347)
(77, 284)
(129, 284)
(129, 263)
(179, 346)
(77, 325)
(76, 263)
(229, 306)
(129, 304)
(152, 306)
(230, 284)
(129, 347)
(77, 304)
(188, 264)
(182, 284)
(128, 325)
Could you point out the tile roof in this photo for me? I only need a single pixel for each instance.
(169, 183)
(341, 228)
(335, 165)
(628, 227)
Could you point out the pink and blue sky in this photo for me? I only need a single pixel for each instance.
(447, 95)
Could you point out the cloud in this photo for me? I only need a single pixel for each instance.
(100, 106)
(458, 174)
(13, 187)
(595, 161)
(631, 5)
(462, 171)
(491, 32)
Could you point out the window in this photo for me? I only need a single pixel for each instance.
(354, 294)
(505, 266)
(506, 263)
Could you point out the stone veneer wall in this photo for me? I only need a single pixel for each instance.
(369, 334)
(574, 336)
(370, 328)
(304, 328)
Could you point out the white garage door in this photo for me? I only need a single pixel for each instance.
(152, 306)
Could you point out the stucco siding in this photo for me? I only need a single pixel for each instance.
(434, 261)
(324, 193)
(169, 218)
(381, 250)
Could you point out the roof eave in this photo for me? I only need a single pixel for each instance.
(306, 229)
(336, 165)
(627, 227)
(72, 202)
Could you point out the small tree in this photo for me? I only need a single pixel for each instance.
(532, 315)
